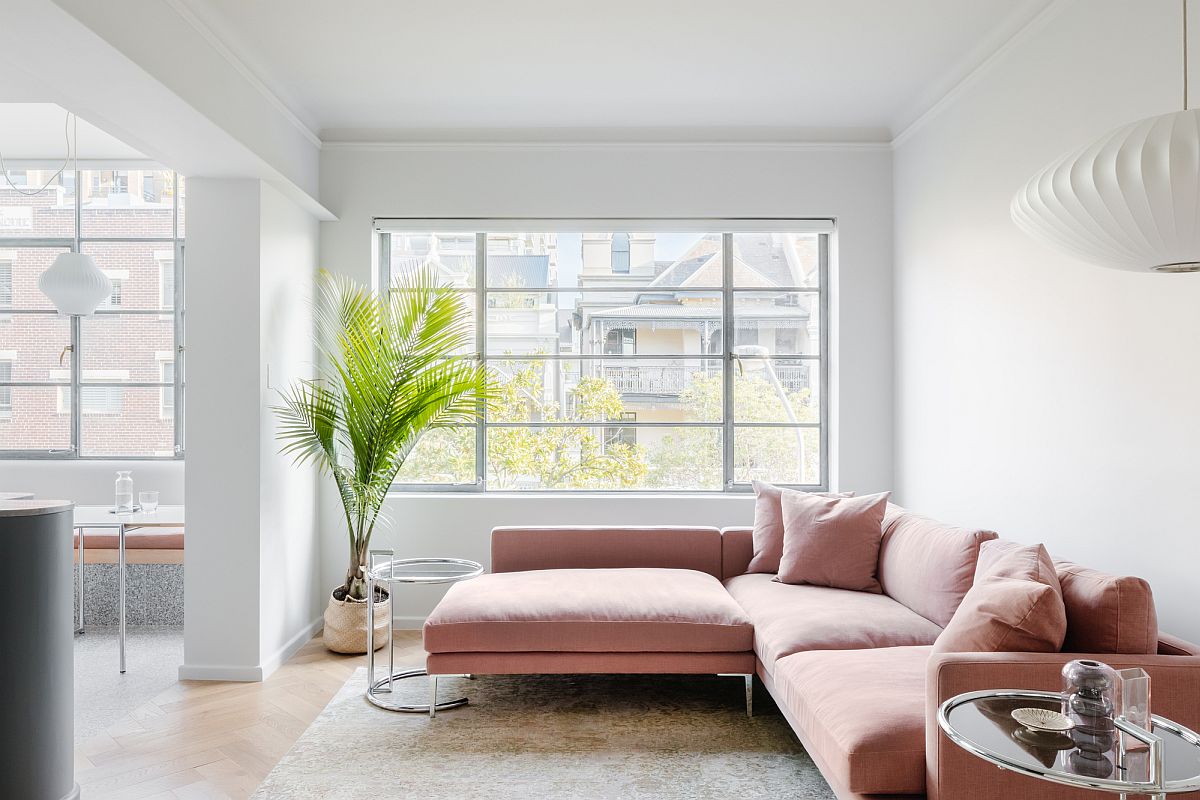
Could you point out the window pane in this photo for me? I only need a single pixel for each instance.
(676, 390)
(604, 323)
(659, 261)
(443, 455)
(450, 255)
(126, 347)
(780, 323)
(776, 390)
(122, 421)
(777, 455)
(127, 203)
(20, 268)
(49, 213)
(776, 259)
(142, 273)
(32, 419)
(33, 344)
(603, 458)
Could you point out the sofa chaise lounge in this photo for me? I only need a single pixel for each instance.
(852, 672)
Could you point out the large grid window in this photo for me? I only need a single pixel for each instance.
(615, 368)
(105, 386)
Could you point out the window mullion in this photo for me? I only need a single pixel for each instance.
(481, 353)
(727, 358)
(76, 324)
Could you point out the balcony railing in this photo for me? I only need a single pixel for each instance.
(673, 379)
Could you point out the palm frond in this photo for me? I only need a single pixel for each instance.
(392, 367)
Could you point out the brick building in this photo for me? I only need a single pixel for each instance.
(126, 352)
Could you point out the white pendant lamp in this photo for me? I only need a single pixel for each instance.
(1129, 201)
(75, 284)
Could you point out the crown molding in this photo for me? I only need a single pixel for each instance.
(976, 73)
(600, 145)
(185, 12)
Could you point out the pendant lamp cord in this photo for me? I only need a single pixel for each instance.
(70, 130)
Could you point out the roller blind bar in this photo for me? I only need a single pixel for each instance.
(603, 225)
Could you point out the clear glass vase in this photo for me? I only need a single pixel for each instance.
(124, 492)
(1089, 699)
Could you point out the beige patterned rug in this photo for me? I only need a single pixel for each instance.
(582, 737)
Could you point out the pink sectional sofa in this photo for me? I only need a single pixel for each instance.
(852, 672)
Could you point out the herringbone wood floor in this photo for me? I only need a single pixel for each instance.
(202, 739)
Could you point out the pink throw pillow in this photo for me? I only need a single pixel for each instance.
(768, 525)
(1016, 606)
(832, 541)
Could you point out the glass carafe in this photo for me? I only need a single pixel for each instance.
(124, 489)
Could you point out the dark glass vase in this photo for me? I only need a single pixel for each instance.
(1089, 699)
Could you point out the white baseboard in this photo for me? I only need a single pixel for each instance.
(407, 622)
(290, 647)
(255, 674)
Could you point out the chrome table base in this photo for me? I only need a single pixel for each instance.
(378, 690)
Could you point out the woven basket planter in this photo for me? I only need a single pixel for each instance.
(346, 624)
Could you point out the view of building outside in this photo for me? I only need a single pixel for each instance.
(127, 223)
(610, 350)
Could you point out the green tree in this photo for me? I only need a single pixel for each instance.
(560, 457)
(691, 457)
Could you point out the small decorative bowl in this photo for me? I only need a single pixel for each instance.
(1043, 720)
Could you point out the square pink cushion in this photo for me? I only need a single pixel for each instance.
(768, 525)
(1016, 606)
(832, 541)
(629, 610)
(1105, 613)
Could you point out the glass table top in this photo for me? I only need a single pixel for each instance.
(982, 723)
(425, 570)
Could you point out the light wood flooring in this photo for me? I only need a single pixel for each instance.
(203, 739)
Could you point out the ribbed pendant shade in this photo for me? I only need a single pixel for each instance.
(1129, 201)
(75, 284)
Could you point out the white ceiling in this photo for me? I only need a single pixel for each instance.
(383, 68)
(38, 131)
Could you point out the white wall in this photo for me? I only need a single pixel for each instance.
(250, 589)
(1050, 399)
(290, 591)
(851, 184)
(91, 482)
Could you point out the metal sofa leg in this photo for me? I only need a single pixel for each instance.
(749, 680)
(432, 695)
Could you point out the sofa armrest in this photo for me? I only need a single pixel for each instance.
(737, 550)
(594, 547)
(1169, 645)
(953, 773)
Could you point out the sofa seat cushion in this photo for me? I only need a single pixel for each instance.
(633, 610)
(863, 712)
(791, 618)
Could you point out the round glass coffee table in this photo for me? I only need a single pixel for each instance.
(392, 571)
(1165, 761)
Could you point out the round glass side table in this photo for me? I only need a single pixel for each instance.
(1167, 760)
(392, 571)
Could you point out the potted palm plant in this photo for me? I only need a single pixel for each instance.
(388, 371)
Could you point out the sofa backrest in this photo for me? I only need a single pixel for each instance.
(517, 549)
(1105, 613)
(928, 565)
(737, 550)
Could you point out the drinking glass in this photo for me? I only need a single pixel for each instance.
(1133, 702)
(148, 501)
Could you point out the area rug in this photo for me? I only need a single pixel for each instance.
(556, 737)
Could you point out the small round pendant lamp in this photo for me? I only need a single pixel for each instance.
(1129, 201)
(75, 284)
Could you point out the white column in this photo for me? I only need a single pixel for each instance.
(249, 263)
